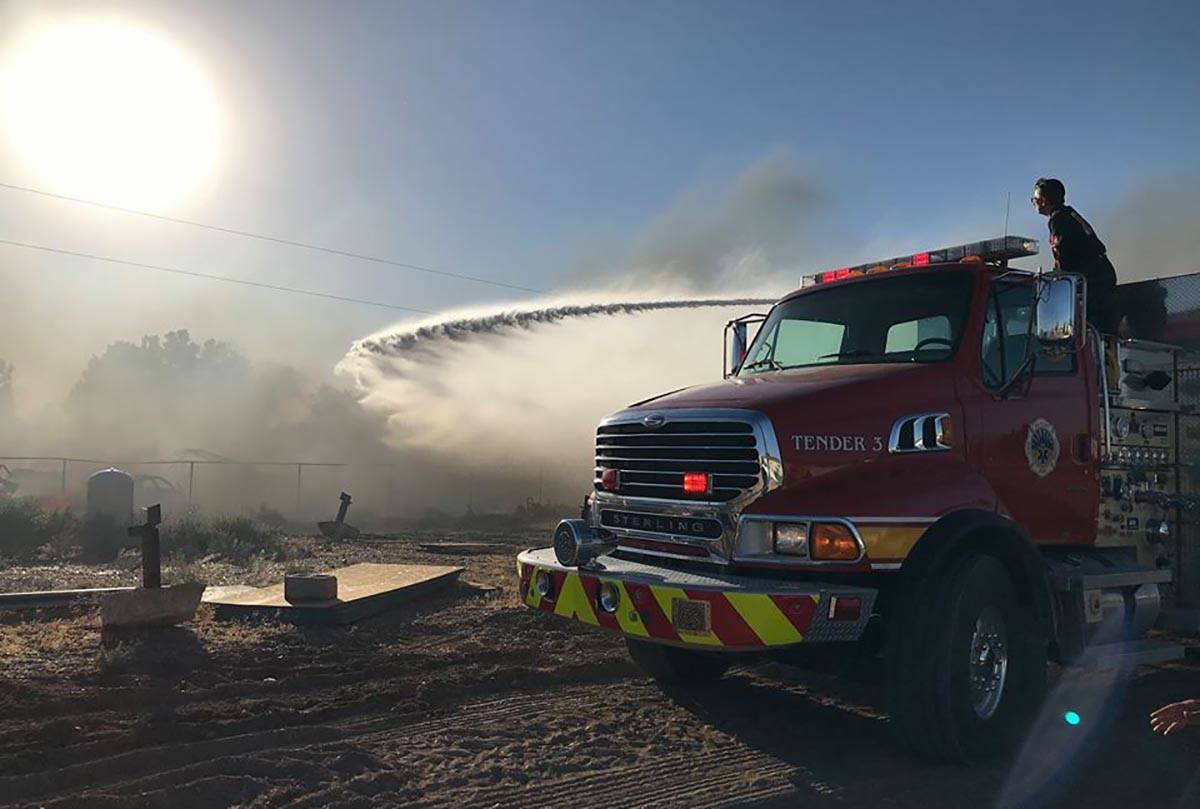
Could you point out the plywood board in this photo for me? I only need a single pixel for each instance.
(363, 589)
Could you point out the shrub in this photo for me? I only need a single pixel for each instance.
(25, 528)
(270, 517)
(240, 538)
(178, 570)
(113, 659)
(233, 539)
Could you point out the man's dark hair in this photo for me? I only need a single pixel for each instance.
(1052, 189)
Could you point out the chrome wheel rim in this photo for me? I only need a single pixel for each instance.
(989, 662)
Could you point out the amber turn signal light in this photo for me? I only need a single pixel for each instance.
(833, 542)
(946, 426)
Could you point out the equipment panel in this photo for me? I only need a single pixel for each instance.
(1147, 375)
(1189, 441)
(1141, 438)
(1137, 510)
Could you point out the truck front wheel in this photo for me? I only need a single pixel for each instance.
(669, 664)
(966, 664)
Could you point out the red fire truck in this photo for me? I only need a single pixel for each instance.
(932, 458)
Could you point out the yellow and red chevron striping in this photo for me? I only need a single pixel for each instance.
(743, 620)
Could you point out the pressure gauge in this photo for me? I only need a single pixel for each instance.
(1121, 427)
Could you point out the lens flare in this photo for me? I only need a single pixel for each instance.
(109, 111)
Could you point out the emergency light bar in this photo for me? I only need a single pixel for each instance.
(990, 251)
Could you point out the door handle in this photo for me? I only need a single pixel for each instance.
(1083, 447)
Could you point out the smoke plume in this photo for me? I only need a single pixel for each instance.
(1152, 233)
(515, 392)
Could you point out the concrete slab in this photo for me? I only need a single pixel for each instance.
(55, 598)
(159, 606)
(363, 590)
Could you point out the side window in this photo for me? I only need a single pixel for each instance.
(993, 362)
(1006, 337)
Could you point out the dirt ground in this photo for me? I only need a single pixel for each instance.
(470, 700)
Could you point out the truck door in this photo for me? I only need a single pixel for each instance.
(1034, 445)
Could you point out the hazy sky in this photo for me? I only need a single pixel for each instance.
(523, 140)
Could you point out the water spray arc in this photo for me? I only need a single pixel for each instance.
(426, 336)
(508, 398)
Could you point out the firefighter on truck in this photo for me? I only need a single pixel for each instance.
(905, 457)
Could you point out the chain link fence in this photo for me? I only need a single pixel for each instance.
(295, 490)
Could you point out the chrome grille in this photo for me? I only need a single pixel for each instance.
(651, 460)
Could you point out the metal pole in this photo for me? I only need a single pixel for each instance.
(191, 480)
(64, 475)
(299, 467)
(391, 488)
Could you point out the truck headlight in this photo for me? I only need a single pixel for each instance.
(791, 538)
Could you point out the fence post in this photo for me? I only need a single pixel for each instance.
(299, 467)
(64, 476)
(191, 479)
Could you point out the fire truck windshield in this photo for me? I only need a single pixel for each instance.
(908, 318)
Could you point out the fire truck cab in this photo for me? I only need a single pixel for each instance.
(933, 458)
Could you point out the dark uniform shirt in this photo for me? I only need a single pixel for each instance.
(1078, 249)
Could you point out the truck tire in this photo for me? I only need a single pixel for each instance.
(671, 665)
(966, 664)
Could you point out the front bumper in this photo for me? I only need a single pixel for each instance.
(742, 613)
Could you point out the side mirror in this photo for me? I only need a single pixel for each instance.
(1055, 324)
(737, 341)
(737, 346)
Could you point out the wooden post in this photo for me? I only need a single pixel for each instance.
(64, 476)
(191, 479)
(151, 550)
(299, 467)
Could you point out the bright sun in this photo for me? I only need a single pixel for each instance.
(109, 112)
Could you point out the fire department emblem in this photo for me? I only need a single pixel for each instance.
(1041, 447)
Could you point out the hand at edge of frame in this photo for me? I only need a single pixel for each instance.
(1176, 716)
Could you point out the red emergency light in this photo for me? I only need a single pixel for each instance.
(696, 483)
(610, 479)
(992, 251)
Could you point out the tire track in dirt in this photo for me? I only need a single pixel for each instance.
(665, 780)
(722, 774)
(143, 766)
(199, 713)
(733, 770)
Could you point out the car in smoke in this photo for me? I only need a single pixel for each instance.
(149, 490)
